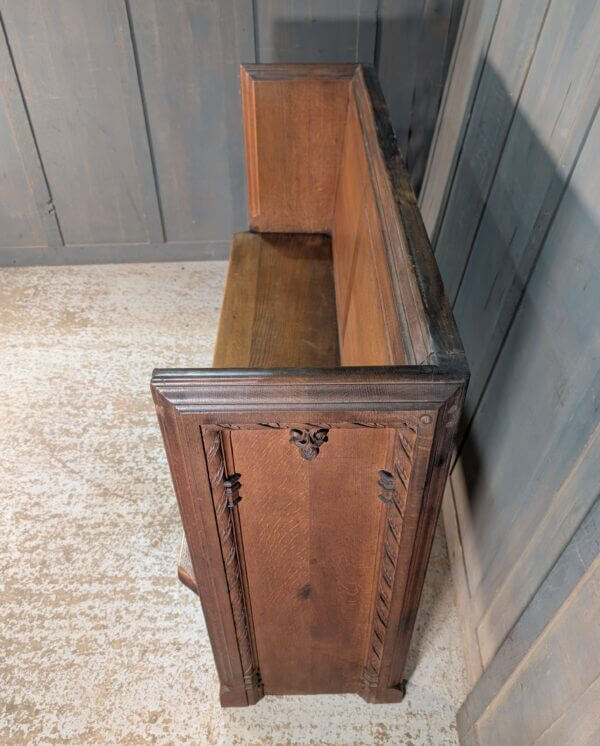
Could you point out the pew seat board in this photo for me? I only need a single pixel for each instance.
(279, 307)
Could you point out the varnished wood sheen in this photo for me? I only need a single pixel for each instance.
(279, 306)
(310, 462)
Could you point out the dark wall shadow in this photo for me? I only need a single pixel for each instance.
(527, 283)
(411, 53)
(528, 279)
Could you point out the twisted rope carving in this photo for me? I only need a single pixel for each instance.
(225, 492)
(394, 486)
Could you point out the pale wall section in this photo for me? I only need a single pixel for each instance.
(120, 123)
(510, 202)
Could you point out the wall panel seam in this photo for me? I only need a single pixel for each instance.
(140, 83)
(462, 438)
(467, 116)
(501, 151)
(52, 207)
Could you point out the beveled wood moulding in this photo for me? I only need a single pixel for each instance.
(309, 463)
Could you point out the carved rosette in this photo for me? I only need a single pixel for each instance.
(225, 492)
(309, 441)
(393, 493)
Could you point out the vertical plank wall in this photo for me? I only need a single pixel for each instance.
(510, 199)
(120, 129)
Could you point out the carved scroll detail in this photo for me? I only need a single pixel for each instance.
(394, 493)
(225, 492)
(309, 441)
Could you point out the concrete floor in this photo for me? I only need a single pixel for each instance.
(99, 642)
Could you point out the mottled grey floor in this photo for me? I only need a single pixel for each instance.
(99, 642)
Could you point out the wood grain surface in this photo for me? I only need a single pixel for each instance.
(279, 306)
(311, 567)
(294, 129)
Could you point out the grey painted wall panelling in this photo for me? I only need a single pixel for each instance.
(440, 19)
(415, 41)
(560, 668)
(475, 32)
(560, 95)
(25, 214)
(510, 197)
(315, 30)
(578, 556)
(186, 69)
(512, 47)
(124, 116)
(77, 74)
(548, 372)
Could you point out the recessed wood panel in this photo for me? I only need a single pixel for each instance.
(294, 131)
(364, 295)
(310, 531)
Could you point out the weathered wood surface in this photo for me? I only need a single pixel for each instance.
(121, 135)
(25, 199)
(511, 50)
(575, 561)
(510, 200)
(320, 31)
(519, 211)
(185, 72)
(566, 658)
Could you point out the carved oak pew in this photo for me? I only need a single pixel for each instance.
(309, 462)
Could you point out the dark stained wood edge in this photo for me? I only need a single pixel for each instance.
(189, 472)
(209, 390)
(436, 455)
(185, 571)
(297, 71)
(406, 235)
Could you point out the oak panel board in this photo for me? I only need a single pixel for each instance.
(279, 307)
(311, 571)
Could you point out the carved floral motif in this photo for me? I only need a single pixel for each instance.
(309, 441)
